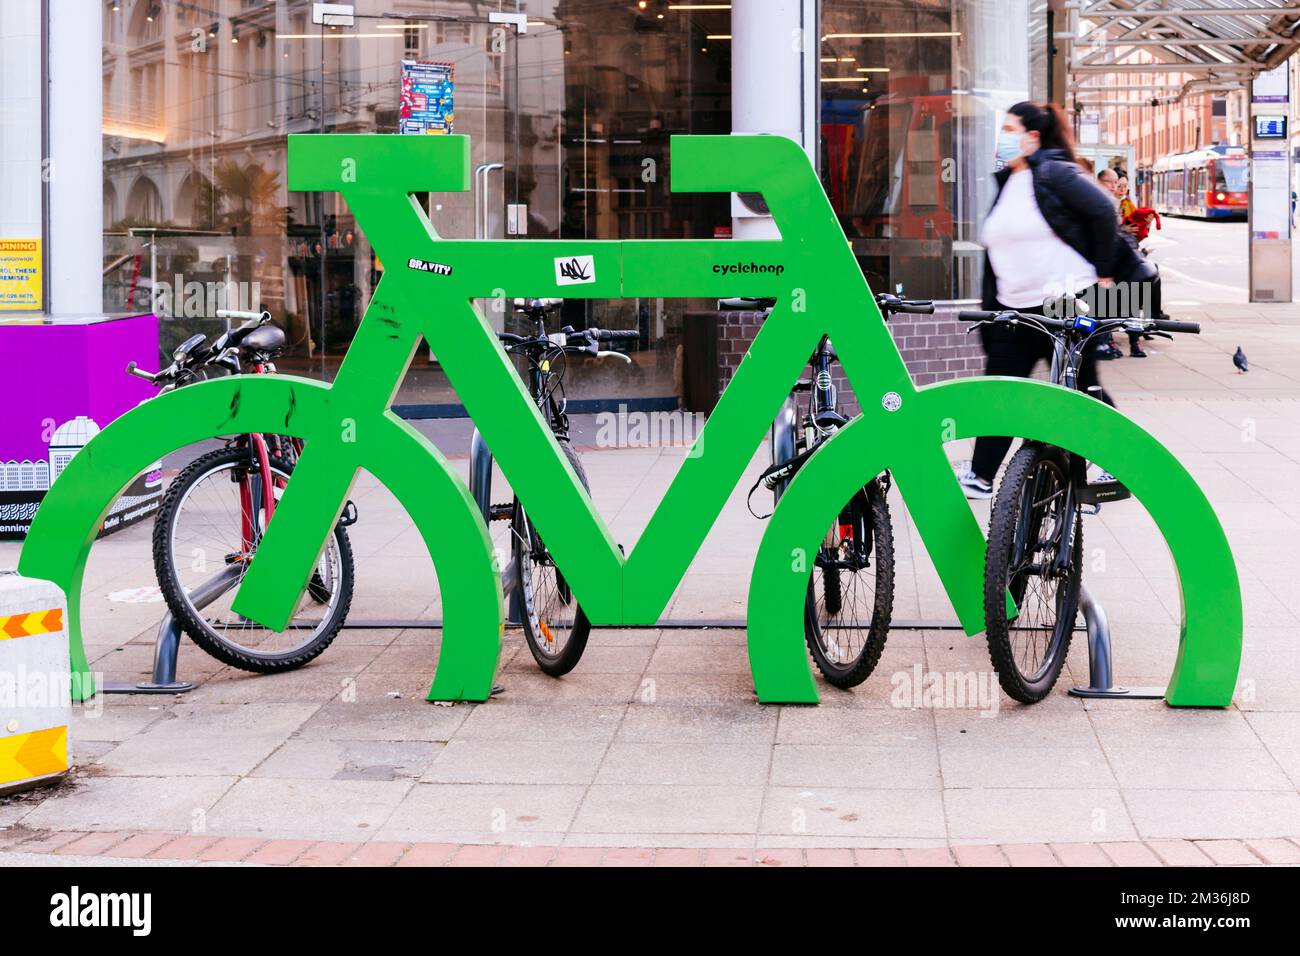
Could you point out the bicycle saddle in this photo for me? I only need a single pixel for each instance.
(265, 340)
(532, 305)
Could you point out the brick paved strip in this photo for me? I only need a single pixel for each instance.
(230, 849)
(778, 857)
(92, 844)
(678, 856)
(528, 856)
(428, 854)
(183, 848)
(49, 841)
(171, 846)
(1080, 854)
(1029, 854)
(279, 852)
(326, 853)
(377, 854)
(1178, 853)
(879, 857)
(1228, 852)
(1275, 851)
(628, 856)
(937, 856)
(979, 856)
(829, 857)
(140, 845)
(1131, 854)
(728, 858)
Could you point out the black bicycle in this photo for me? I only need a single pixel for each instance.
(850, 598)
(1035, 544)
(554, 623)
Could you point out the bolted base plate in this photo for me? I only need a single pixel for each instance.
(145, 687)
(1134, 693)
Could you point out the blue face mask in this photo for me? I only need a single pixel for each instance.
(1008, 147)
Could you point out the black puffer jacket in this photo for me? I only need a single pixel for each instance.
(1077, 210)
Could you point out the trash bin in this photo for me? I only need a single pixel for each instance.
(35, 683)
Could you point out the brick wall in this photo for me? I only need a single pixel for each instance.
(935, 348)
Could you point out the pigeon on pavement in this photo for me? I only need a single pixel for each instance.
(1239, 360)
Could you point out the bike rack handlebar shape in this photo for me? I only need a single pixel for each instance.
(428, 291)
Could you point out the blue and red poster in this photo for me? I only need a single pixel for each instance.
(428, 97)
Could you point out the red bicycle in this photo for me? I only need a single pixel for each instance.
(216, 510)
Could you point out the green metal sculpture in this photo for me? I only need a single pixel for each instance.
(427, 292)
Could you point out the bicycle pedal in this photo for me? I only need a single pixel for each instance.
(504, 512)
(349, 515)
(1096, 492)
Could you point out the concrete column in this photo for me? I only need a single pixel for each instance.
(774, 69)
(76, 169)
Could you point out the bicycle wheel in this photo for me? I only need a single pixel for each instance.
(554, 625)
(204, 539)
(1026, 529)
(851, 590)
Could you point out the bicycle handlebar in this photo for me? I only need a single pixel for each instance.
(745, 304)
(613, 335)
(1011, 315)
(133, 369)
(1169, 325)
(915, 308)
(248, 316)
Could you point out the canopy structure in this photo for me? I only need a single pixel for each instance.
(1191, 45)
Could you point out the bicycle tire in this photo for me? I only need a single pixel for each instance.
(1011, 522)
(870, 507)
(565, 658)
(192, 621)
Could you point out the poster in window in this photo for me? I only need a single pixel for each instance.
(428, 97)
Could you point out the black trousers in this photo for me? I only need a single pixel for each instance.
(1014, 350)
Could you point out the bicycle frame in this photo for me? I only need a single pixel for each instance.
(820, 290)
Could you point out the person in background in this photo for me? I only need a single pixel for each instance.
(1050, 230)
(1109, 180)
(1126, 204)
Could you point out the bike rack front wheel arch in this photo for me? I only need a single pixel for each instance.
(1210, 632)
(69, 518)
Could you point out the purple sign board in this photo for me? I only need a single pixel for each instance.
(63, 382)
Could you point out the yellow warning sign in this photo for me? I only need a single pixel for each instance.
(20, 275)
(37, 754)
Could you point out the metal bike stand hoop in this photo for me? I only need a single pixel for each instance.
(1099, 659)
(168, 644)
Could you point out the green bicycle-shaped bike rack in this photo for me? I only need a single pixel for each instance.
(427, 292)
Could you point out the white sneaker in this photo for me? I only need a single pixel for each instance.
(975, 486)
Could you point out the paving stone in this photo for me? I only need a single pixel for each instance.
(340, 810)
(979, 856)
(428, 854)
(1130, 853)
(1080, 854)
(327, 853)
(1228, 852)
(1178, 852)
(928, 857)
(1029, 854)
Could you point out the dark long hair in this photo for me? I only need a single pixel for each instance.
(1049, 122)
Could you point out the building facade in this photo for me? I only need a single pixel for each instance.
(570, 107)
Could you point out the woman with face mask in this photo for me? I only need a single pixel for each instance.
(1051, 231)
